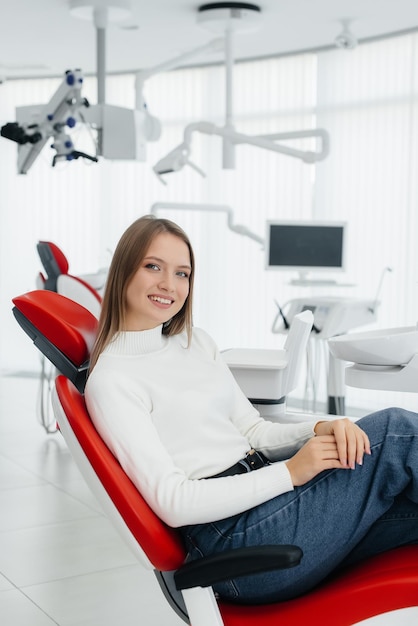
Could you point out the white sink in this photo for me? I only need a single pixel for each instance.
(390, 346)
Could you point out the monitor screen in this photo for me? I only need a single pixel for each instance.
(305, 246)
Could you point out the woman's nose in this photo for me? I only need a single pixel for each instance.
(167, 283)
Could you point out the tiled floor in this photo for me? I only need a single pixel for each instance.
(61, 562)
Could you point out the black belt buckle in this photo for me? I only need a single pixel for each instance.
(256, 460)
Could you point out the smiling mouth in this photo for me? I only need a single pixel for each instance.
(161, 300)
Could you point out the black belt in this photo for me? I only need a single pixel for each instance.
(253, 461)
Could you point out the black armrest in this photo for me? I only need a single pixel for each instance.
(216, 568)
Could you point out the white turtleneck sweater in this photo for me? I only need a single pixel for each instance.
(174, 415)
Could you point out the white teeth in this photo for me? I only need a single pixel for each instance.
(160, 300)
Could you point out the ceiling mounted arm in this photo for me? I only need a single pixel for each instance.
(240, 229)
(231, 17)
(306, 155)
(268, 142)
(179, 157)
(215, 45)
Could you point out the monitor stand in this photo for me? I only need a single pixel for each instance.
(305, 281)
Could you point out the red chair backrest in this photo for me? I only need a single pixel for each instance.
(58, 255)
(71, 329)
(161, 544)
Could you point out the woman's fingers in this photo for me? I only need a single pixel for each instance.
(352, 443)
(341, 446)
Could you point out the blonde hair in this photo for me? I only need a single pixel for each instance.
(129, 253)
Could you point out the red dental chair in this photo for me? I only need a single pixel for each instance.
(64, 332)
(58, 278)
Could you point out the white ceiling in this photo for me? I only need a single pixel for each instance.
(41, 37)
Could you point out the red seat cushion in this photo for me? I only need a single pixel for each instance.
(383, 583)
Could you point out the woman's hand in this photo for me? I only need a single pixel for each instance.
(352, 442)
(339, 444)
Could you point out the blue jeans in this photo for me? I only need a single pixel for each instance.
(338, 518)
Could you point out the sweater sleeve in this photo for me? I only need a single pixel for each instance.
(124, 422)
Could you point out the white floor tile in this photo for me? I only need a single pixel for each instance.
(128, 596)
(5, 585)
(50, 461)
(18, 397)
(17, 610)
(25, 438)
(13, 475)
(38, 505)
(79, 490)
(46, 553)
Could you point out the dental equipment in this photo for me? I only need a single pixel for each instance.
(36, 125)
(379, 288)
(221, 208)
(306, 246)
(331, 317)
(122, 134)
(215, 45)
(177, 158)
(268, 376)
(231, 17)
(384, 359)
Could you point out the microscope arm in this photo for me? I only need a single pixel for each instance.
(73, 155)
(59, 112)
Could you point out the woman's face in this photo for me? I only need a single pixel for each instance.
(160, 286)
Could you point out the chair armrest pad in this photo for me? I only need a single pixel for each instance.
(216, 568)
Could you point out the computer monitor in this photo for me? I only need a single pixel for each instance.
(305, 246)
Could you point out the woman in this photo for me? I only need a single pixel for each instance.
(168, 407)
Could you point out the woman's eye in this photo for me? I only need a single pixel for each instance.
(183, 274)
(152, 266)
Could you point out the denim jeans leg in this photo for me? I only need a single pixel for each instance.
(399, 526)
(329, 516)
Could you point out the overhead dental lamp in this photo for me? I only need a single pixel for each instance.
(230, 18)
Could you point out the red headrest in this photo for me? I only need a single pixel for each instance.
(65, 323)
(59, 256)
